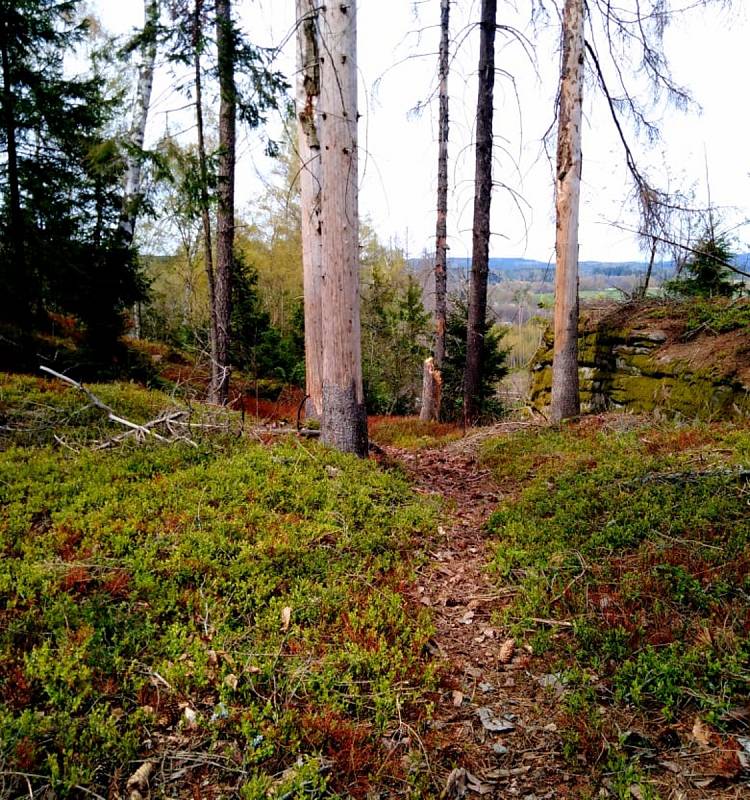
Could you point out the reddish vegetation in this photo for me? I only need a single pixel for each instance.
(349, 746)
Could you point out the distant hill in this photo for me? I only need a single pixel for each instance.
(527, 269)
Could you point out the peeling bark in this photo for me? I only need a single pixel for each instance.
(308, 93)
(344, 423)
(432, 385)
(132, 190)
(565, 390)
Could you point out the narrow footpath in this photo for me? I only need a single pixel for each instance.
(496, 716)
(499, 728)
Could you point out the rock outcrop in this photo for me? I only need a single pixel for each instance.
(646, 359)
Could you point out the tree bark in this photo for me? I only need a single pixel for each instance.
(21, 307)
(477, 323)
(132, 190)
(208, 252)
(441, 233)
(565, 391)
(225, 196)
(308, 94)
(647, 279)
(432, 385)
(344, 423)
(429, 404)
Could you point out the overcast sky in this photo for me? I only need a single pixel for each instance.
(397, 55)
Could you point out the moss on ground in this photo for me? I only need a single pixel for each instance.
(236, 601)
(639, 540)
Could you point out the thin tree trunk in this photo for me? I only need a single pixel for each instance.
(649, 269)
(225, 197)
(208, 252)
(565, 393)
(137, 135)
(21, 307)
(344, 423)
(308, 93)
(441, 233)
(482, 198)
(431, 394)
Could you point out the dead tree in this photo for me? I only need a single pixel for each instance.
(431, 384)
(137, 134)
(565, 391)
(308, 94)
(131, 197)
(477, 321)
(219, 391)
(344, 422)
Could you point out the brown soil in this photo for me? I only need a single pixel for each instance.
(489, 676)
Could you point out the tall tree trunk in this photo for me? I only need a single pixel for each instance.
(565, 394)
(225, 197)
(431, 393)
(308, 93)
(344, 423)
(137, 135)
(18, 286)
(208, 252)
(482, 198)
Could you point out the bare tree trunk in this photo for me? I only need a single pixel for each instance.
(19, 287)
(565, 394)
(132, 191)
(225, 196)
(308, 93)
(477, 321)
(432, 385)
(647, 279)
(208, 252)
(344, 423)
(430, 405)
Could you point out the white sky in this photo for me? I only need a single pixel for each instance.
(397, 56)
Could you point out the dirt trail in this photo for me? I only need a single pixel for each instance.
(498, 729)
(494, 722)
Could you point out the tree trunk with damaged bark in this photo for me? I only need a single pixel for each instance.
(308, 95)
(565, 389)
(132, 190)
(482, 199)
(432, 386)
(344, 422)
(225, 196)
(431, 393)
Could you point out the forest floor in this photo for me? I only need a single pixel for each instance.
(523, 611)
(519, 717)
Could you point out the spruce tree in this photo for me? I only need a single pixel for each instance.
(61, 187)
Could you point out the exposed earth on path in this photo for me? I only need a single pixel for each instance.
(500, 726)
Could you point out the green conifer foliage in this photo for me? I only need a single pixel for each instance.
(60, 193)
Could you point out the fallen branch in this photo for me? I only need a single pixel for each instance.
(134, 427)
(165, 419)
